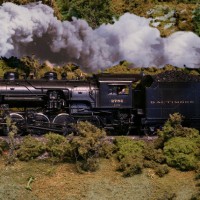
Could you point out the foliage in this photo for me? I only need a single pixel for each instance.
(30, 148)
(173, 128)
(163, 16)
(197, 172)
(4, 146)
(180, 144)
(18, 64)
(187, 1)
(12, 131)
(88, 141)
(153, 154)
(195, 196)
(27, 66)
(107, 149)
(90, 164)
(130, 166)
(181, 153)
(24, 65)
(87, 146)
(162, 170)
(94, 12)
(138, 7)
(123, 67)
(196, 20)
(130, 154)
(58, 147)
(3, 67)
(158, 143)
(128, 147)
(150, 164)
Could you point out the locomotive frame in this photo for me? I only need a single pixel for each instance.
(54, 105)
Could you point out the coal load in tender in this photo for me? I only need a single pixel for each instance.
(176, 76)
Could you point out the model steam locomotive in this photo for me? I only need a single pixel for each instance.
(106, 100)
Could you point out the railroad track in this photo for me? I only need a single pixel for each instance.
(18, 139)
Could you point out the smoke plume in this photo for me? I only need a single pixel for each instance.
(33, 29)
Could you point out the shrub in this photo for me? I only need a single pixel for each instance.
(88, 140)
(58, 147)
(128, 147)
(197, 172)
(4, 146)
(91, 164)
(130, 154)
(149, 164)
(159, 142)
(107, 149)
(150, 153)
(195, 196)
(172, 124)
(12, 131)
(196, 20)
(162, 170)
(130, 166)
(173, 128)
(87, 146)
(30, 148)
(181, 153)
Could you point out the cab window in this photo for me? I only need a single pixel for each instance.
(118, 89)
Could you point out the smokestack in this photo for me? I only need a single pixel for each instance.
(33, 29)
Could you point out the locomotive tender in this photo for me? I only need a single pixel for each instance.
(106, 100)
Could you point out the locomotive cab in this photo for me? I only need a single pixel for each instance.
(115, 95)
(116, 90)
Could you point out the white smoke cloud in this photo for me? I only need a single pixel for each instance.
(136, 40)
(33, 29)
(183, 48)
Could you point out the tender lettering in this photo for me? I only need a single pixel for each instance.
(172, 102)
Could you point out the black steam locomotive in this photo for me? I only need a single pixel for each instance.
(106, 100)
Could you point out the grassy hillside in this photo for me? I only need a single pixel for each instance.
(89, 166)
(62, 182)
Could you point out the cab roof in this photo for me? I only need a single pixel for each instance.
(106, 77)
